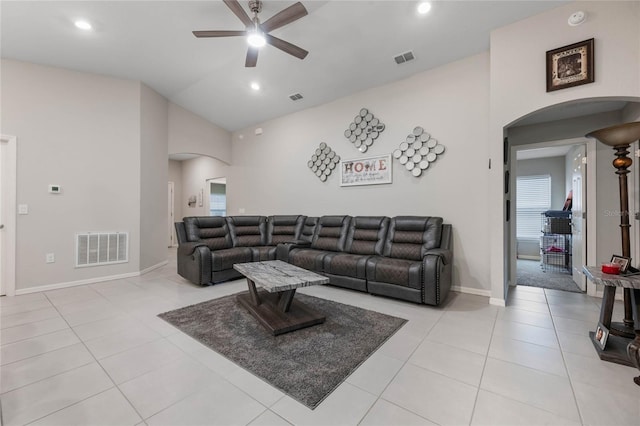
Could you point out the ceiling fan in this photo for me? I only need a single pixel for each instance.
(257, 33)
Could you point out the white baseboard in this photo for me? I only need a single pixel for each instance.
(497, 302)
(156, 266)
(88, 280)
(471, 290)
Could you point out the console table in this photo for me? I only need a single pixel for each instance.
(623, 344)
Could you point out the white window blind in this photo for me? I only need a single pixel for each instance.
(533, 199)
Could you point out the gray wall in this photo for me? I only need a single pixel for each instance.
(195, 173)
(153, 177)
(175, 176)
(269, 174)
(80, 131)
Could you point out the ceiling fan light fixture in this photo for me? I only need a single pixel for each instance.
(256, 39)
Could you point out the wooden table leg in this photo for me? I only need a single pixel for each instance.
(253, 293)
(284, 300)
(606, 311)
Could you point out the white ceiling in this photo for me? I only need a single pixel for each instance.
(552, 151)
(351, 45)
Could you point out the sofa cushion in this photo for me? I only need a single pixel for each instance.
(248, 231)
(213, 231)
(262, 253)
(310, 259)
(309, 228)
(367, 234)
(284, 229)
(331, 233)
(410, 237)
(344, 264)
(224, 259)
(406, 273)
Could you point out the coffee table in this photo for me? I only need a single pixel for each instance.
(273, 305)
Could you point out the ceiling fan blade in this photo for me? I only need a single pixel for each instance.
(252, 57)
(218, 33)
(238, 11)
(284, 17)
(286, 47)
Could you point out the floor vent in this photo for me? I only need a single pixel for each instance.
(405, 57)
(101, 248)
(295, 96)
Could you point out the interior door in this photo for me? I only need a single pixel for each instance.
(578, 216)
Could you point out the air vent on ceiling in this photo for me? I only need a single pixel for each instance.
(404, 57)
(101, 248)
(295, 97)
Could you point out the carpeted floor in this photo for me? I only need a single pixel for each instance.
(530, 274)
(307, 364)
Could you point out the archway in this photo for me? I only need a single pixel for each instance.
(570, 121)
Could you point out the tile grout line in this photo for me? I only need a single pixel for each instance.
(100, 365)
(564, 362)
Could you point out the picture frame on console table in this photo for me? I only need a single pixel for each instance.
(622, 261)
(366, 171)
(570, 66)
(601, 335)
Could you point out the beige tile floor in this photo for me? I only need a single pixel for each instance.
(98, 355)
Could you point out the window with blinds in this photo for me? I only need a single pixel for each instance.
(218, 200)
(533, 199)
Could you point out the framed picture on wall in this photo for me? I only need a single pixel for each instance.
(366, 171)
(570, 65)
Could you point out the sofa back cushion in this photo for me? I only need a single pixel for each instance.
(331, 233)
(309, 228)
(213, 231)
(367, 234)
(248, 231)
(284, 229)
(410, 237)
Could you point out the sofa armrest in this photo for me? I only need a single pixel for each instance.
(437, 267)
(445, 254)
(187, 249)
(194, 262)
(283, 249)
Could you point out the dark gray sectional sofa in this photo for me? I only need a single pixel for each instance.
(405, 257)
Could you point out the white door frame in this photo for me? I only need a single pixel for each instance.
(171, 199)
(8, 205)
(589, 200)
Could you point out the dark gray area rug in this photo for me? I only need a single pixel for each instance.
(530, 274)
(307, 364)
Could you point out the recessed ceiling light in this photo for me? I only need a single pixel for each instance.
(424, 8)
(83, 25)
(255, 86)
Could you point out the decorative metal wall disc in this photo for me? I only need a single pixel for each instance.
(323, 161)
(364, 130)
(418, 151)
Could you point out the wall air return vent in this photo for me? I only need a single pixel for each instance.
(295, 97)
(101, 248)
(404, 57)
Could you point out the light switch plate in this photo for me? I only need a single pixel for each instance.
(23, 209)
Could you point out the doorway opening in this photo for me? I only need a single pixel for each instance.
(549, 191)
(217, 196)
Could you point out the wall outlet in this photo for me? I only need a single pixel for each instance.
(241, 210)
(50, 258)
(23, 209)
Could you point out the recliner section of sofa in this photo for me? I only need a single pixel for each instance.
(405, 257)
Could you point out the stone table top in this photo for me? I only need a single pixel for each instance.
(595, 275)
(276, 275)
